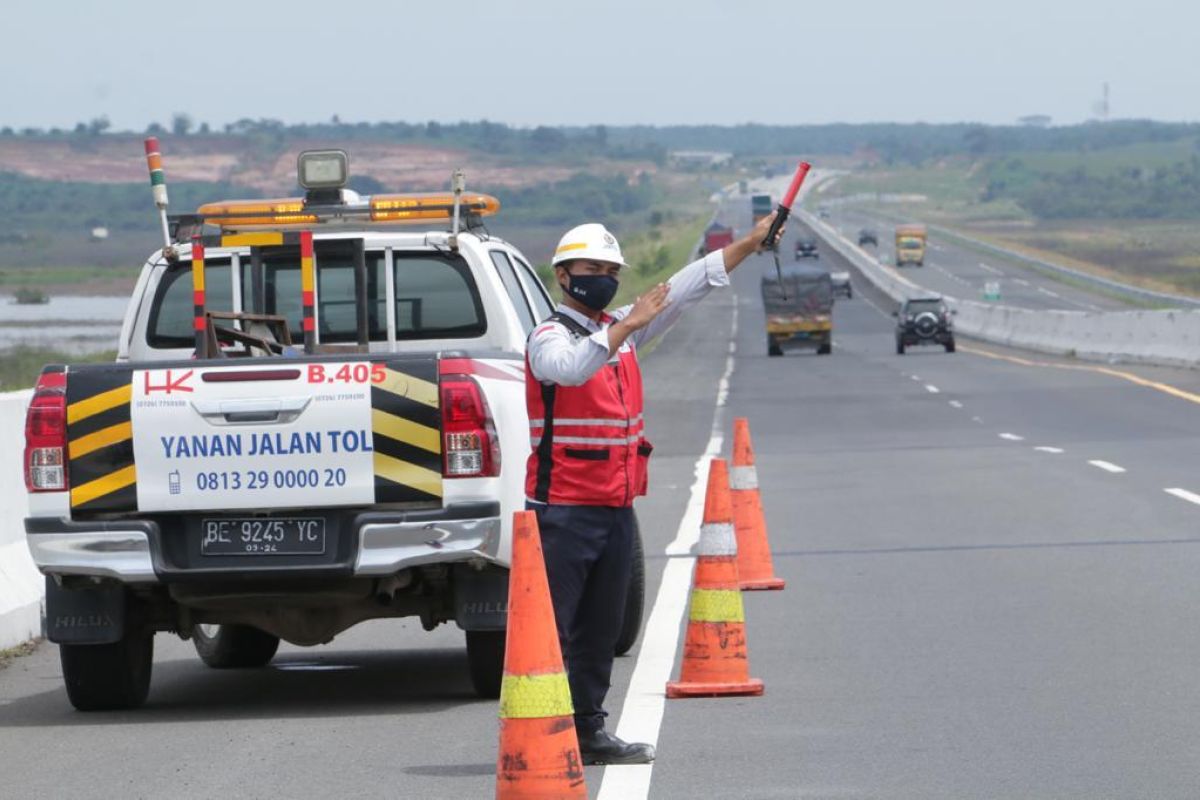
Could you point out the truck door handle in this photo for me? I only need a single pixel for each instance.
(275, 410)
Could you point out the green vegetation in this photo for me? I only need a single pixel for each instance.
(21, 365)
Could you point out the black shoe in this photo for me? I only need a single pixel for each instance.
(601, 747)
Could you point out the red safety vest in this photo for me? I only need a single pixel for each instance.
(588, 443)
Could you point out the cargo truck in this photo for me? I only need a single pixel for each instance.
(911, 241)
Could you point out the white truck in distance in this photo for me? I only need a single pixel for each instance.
(223, 483)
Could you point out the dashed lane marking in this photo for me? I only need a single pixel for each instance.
(1012, 437)
(1055, 450)
(1184, 494)
(1021, 282)
(956, 404)
(1048, 293)
(931, 388)
(1107, 466)
(1165, 388)
(990, 269)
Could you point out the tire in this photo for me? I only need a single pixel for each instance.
(825, 349)
(108, 677)
(485, 658)
(773, 349)
(849, 294)
(234, 646)
(950, 346)
(635, 599)
(899, 347)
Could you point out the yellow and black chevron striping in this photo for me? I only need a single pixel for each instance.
(406, 432)
(100, 441)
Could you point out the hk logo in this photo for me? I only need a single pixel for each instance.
(173, 382)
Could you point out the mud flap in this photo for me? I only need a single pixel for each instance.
(480, 598)
(95, 615)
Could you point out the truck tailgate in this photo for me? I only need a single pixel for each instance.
(262, 434)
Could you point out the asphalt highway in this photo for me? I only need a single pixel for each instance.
(991, 562)
(959, 271)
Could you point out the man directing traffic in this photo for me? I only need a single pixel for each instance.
(583, 391)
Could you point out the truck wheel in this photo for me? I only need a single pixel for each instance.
(950, 346)
(773, 349)
(635, 599)
(108, 677)
(899, 347)
(233, 646)
(485, 658)
(825, 349)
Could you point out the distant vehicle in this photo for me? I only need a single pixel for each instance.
(716, 237)
(867, 236)
(910, 245)
(798, 310)
(760, 206)
(841, 284)
(806, 247)
(924, 321)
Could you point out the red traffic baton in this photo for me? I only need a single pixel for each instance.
(785, 206)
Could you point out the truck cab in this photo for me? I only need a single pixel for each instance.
(316, 418)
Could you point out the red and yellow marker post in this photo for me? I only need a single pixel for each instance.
(308, 282)
(198, 301)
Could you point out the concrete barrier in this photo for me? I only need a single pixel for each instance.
(1169, 337)
(21, 585)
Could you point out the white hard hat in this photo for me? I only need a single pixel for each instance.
(591, 241)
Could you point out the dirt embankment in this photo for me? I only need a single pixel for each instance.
(400, 167)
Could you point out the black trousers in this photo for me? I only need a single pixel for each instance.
(589, 557)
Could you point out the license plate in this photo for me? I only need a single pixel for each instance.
(253, 536)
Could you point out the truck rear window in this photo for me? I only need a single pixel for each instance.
(436, 297)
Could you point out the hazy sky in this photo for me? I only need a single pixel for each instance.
(615, 62)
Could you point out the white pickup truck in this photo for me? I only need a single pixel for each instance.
(242, 489)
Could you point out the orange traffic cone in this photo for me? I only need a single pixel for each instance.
(755, 569)
(714, 655)
(539, 751)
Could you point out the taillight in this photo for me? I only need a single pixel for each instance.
(46, 435)
(470, 448)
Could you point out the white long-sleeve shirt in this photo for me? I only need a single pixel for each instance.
(557, 356)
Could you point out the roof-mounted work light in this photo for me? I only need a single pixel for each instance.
(323, 173)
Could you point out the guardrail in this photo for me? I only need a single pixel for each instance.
(22, 587)
(1166, 336)
(1069, 274)
(1055, 270)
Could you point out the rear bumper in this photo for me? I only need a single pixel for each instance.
(374, 543)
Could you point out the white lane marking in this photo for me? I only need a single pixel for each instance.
(1184, 494)
(1020, 281)
(956, 404)
(1107, 466)
(1048, 293)
(977, 419)
(931, 388)
(915, 377)
(950, 275)
(642, 713)
(992, 270)
(1049, 449)
(1012, 437)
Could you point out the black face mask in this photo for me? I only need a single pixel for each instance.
(594, 291)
